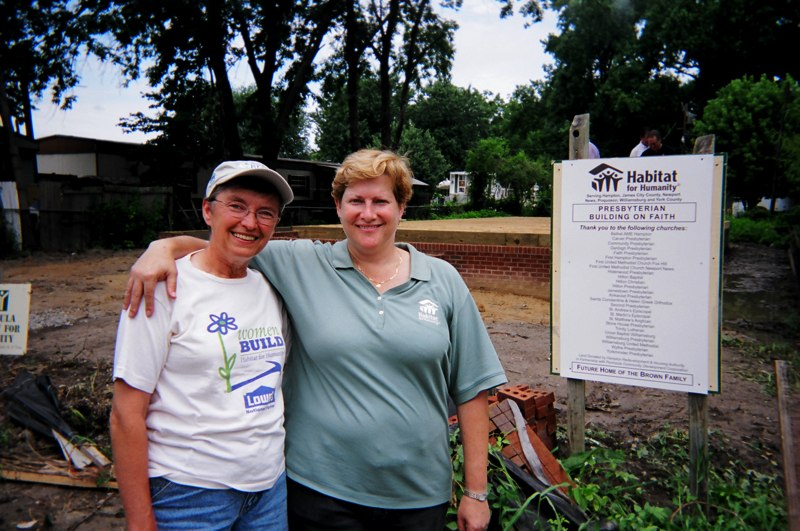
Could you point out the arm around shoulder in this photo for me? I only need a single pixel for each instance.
(157, 263)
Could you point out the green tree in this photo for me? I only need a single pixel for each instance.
(457, 118)
(427, 162)
(403, 45)
(278, 41)
(602, 69)
(333, 114)
(39, 45)
(528, 126)
(757, 123)
(630, 64)
(754, 33)
(426, 54)
(295, 143)
(485, 162)
(518, 175)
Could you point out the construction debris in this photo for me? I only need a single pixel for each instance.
(33, 402)
(526, 419)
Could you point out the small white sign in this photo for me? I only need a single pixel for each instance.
(15, 304)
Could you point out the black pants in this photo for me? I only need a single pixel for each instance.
(310, 510)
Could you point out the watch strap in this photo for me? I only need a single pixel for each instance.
(480, 496)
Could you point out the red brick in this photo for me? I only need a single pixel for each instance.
(544, 411)
(525, 399)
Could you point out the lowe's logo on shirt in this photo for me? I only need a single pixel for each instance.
(260, 398)
(428, 311)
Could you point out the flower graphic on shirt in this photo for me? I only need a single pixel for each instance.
(222, 324)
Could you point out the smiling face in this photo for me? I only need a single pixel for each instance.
(235, 238)
(370, 214)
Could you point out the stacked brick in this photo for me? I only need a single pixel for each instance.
(554, 474)
(538, 408)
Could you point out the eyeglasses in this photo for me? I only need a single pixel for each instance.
(240, 211)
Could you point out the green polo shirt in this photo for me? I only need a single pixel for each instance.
(369, 374)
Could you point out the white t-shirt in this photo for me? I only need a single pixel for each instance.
(638, 150)
(213, 360)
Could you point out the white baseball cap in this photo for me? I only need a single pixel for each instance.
(232, 169)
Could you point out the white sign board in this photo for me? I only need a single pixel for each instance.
(636, 268)
(15, 303)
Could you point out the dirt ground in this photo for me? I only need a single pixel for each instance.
(75, 307)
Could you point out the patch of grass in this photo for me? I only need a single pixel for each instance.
(760, 231)
(759, 226)
(641, 484)
(611, 487)
(472, 214)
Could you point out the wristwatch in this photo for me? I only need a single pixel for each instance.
(480, 496)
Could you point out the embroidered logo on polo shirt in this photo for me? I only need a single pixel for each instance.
(428, 311)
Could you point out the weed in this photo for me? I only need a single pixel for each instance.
(5, 437)
(765, 355)
(486, 213)
(738, 498)
(508, 502)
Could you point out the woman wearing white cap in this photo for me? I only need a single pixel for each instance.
(197, 416)
(384, 336)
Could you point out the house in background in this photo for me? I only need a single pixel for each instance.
(311, 182)
(459, 187)
(75, 175)
(113, 162)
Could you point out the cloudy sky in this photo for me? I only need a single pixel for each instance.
(491, 54)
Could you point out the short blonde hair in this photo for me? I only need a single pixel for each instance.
(369, 164)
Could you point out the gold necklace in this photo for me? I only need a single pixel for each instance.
(378, 284)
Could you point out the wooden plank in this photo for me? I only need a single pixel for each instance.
(55, 479)
(787, 446)
(698, 446)
(576, 389)
(576, 415)
(704, 144)
(579, 137)
(698, 403)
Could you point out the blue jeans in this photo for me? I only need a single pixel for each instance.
(183, 507)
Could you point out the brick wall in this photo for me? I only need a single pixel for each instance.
(513, 269)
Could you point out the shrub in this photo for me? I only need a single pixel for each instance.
(9, 246)
(125, 225)
(757, 225)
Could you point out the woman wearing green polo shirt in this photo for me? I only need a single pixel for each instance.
(384, 335)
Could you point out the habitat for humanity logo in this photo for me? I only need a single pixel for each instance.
(4, 297)
(606, 178)
(428, 311)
